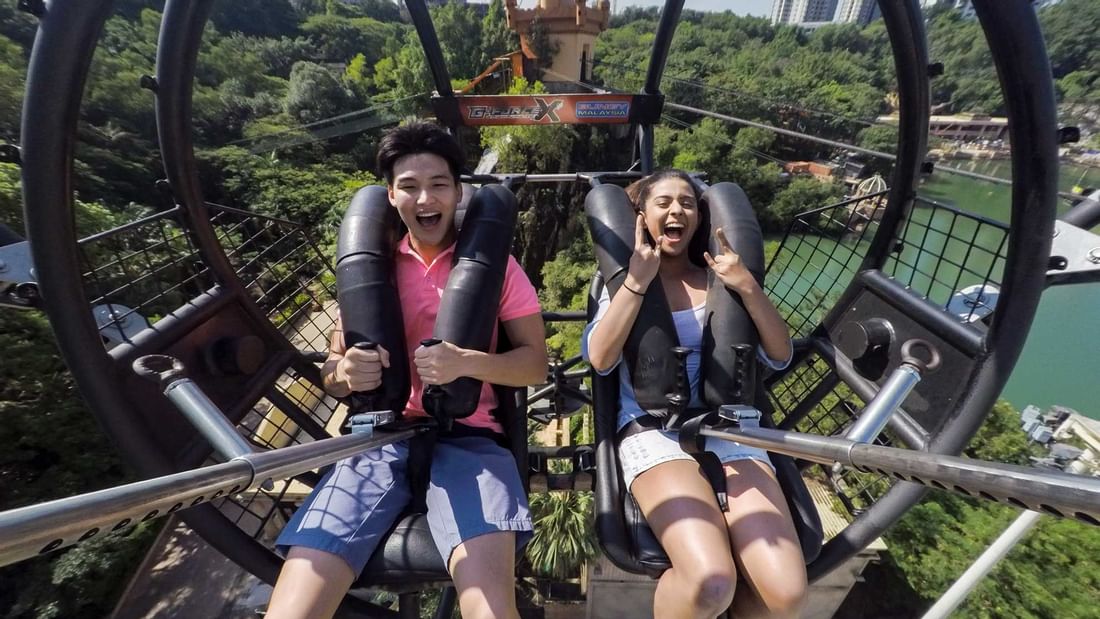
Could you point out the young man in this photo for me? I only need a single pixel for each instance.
(334, 533)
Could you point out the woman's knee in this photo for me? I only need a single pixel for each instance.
(783, 597)
(713, 590)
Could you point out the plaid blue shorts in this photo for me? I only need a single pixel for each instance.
(475, 489)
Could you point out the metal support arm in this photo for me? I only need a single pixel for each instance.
(1051, 492)
(38, 529)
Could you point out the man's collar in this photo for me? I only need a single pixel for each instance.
(404, 247)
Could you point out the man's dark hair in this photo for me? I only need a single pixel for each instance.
(415, 138)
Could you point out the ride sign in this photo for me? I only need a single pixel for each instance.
(545, 109)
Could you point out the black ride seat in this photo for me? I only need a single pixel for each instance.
(621, 528)
(407, 559)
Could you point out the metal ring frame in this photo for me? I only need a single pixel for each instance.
(1016, 43)
(57, 72)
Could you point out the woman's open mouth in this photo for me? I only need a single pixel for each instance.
(674, 232)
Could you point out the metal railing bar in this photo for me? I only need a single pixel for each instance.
(37, 529)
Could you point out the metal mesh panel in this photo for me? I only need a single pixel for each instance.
(283, 270)
(943, 252)
(136, 274)
(819, 256)
(271, 426)
(953, 258)
(144, 270)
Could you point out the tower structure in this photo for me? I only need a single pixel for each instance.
(573, 26)
(802, 11)
(781, 11)
(860, 12)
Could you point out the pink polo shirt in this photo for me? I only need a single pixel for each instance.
(420, 287)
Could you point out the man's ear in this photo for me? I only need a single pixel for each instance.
(389, 194)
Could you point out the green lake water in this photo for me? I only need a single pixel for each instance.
(1059, 361)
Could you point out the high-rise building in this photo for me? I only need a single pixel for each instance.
(801, 11)
(858, 11)
(781, 11)
(963, 6)
(816, 10)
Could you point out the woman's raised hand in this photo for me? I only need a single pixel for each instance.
(729, 267)
(646, 260)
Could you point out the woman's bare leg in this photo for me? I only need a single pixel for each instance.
(681, 509)
(765, 543)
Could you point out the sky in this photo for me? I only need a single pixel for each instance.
(760, 8)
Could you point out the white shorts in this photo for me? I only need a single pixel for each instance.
(640, 452)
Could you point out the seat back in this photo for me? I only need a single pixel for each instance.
(622, 530)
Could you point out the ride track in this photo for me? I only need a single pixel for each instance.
(219, 300)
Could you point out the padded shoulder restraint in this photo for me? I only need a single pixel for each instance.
(727, 322)
(369, 305)
(648, 349)
(468, 310)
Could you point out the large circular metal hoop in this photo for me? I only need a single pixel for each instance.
(60, 59)
(58, 68)
(1016, 42)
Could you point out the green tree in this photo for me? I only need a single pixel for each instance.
(883, 138)
(754, 139)
(459, 31)
(258, 18)
(802, 194)
(339, 39)
(1070, 46)
(402, 76)
(545, 208)
(12, 69)
(382, 10)
(565, 282)
(497, 38)
(53, 449)
(564, 532)
(315, 93)
(1044, 576)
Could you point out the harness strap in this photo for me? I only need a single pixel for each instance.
(422, 447)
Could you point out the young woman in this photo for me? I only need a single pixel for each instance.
(709, 549)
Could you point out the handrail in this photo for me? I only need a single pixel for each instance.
(37, 529)
(1051, 492)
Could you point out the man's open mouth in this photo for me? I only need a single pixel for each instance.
(428, 220)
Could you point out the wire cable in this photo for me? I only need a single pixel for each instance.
(325, 121)
(738, 93)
